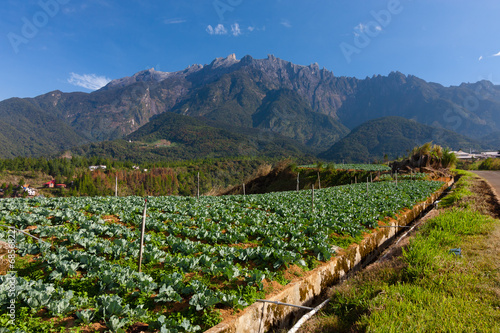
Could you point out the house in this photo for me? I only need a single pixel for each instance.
(31, 191)
(50, 184)
(53, 184)
(96, 167)
(492, 154)
(461, 155)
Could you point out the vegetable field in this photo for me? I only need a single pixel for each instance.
(200, 256)
(359, 167)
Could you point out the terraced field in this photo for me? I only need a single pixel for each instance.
(200, 256)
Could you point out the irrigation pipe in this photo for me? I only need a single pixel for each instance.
(280, 303)
(307, 316)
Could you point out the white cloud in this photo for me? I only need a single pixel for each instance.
(370, 28)
(174, 21)
(286, 23)
(88, 81)
(496, 55)
(235, 29)
(251, 29)
(218, 30)
(480, 58)
(360, 27)
(364, 27)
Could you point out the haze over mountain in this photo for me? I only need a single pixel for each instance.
(308, 105)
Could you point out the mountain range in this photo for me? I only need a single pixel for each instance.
(252, 106)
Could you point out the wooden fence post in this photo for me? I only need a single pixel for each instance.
(312, 198)
(143, 228)
(198, 187)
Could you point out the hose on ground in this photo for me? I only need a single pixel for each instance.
(308, 315)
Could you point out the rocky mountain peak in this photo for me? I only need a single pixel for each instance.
(148, 75)
(398, 76)
(224, 62)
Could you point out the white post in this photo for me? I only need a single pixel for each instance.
(244, 189)
(298, 175)
(143, 228)
(116, 186)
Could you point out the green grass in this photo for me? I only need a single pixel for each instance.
(460, 191)
(428, 289)
(438, 291)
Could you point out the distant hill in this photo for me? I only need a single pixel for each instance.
(469, 109)
(176, 137)
(492, 141)
(27, 130)
(306, 104)
(394, 137)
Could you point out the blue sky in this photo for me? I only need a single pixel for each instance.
(76, 45)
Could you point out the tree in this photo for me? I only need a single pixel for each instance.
(449, 159)
(8, 191)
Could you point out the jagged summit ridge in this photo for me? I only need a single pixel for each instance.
(274, 66)
(224, 62)
(151, 75)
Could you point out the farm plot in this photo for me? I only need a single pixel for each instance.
(200, 256)
(358, 167)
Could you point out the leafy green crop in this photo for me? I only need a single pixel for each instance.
(198, 254)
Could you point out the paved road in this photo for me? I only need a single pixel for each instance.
(493, 177)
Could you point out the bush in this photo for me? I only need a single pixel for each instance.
(490, 164)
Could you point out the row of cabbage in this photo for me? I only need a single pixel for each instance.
(199, 255)
(357, 167)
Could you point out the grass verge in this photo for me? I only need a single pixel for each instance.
(428, 288)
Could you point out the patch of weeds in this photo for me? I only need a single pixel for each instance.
(460, 191)
(26, 322)
(413, 308)
(349, 306)
(280, 278)
(345, 241)
(83, 285)
(458, 222)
